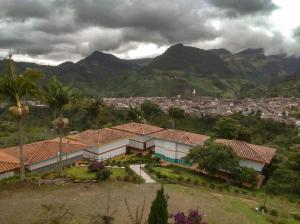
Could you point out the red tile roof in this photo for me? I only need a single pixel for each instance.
(100, 136)
(4, 166)
(248, 151)
(181, 136)
(138, 128)
(37, 152)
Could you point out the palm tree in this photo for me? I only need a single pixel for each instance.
(16, 87)
(57, 96)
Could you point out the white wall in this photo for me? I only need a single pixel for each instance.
(171, 149)
(106, 151)
(252, 164)
(138, 141)
(53, 160)
(6, 175)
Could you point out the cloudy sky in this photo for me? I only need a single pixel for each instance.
(53, 31)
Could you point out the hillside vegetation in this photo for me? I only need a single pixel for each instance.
(178, 71)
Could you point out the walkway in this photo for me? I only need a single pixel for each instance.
(137, 169)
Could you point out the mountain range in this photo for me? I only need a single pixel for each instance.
(178, 71)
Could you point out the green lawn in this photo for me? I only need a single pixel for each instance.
(118, 172)
(80, 173)
(174, 173)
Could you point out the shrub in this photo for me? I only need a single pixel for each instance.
(212, 186)
(188, 180)
(296, 216)
(220, 188)
(263, 208)
(103, 174)
(227, 187)
(274, 212)
(118, 178)
(194, 217)
(127, 178)
(203, 184)
(196, 182)
(244, 192)
(96, 166)
(180, 178)
(159, 209)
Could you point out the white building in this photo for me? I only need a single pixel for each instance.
(173, 145)
(250, 155)
(141, 139)
(104, 143)
(39, 156)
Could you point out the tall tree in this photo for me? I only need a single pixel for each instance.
(57, 96)
(159, 209)
(213, 158)
(17, 87)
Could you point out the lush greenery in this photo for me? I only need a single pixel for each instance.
(178, 71)
(214, 158)
(159, 209)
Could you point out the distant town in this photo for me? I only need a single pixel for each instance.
(274, 108)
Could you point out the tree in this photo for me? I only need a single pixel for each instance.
(159, 209)
(227, 127)
(213, 158)
(57, 96)
(135, 114)
(17, 87)
(150, 109)
(176, 112)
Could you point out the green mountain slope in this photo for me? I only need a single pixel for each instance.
(179, 71)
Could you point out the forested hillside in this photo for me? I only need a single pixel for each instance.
(178, 71)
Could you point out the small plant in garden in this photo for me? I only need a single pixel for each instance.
(96, 166)
(194, 217)
(103, 174)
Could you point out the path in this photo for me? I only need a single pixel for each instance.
(137, 169)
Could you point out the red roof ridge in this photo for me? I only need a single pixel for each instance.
(252, 149)
(258, 153)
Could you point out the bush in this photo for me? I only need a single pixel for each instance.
(96, 166)
(296, 216)
(274, 212)
(212, 186)
(263, 208)
(220, 188)
(180, 178)
(188, 180)
(227, 187)
(103, 174)
(196, 182)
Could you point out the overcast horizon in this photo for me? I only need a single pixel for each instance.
(54, 31)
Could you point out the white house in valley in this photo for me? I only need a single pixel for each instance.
(104, 143)
(142, 139)
(173, 145)
(252, 156)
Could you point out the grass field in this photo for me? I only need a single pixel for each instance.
(82, 173)
(86, 200)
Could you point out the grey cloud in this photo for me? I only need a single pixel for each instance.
(296, 33)
(62, 29)
(244, 7)
(24, 9)
(173, 21)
